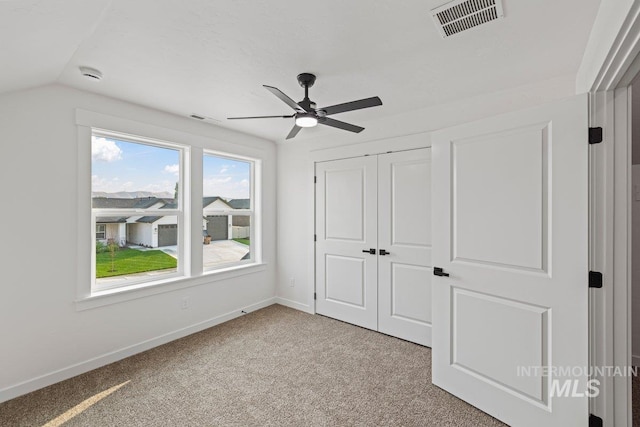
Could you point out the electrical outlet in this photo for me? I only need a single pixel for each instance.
(185, 303)
(292, 282)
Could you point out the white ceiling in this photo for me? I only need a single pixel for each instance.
(211, 57)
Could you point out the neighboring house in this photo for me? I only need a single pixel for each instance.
(239, 203)
(220, 225)
(215, 212)
(137, 203)
(109, 228)
(154, 231)
(240, 220)
(116, 228)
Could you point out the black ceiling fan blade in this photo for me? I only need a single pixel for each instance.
(353, 105)
(294, 131)
(261, 117)
(340, 125)
(290, 102)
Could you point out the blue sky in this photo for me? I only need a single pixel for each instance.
(123, 166)
(225, 177)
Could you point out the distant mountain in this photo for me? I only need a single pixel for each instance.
(133, 194)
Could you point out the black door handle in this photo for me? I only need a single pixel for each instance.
(383, 252)
(437, 271)
(370, 251)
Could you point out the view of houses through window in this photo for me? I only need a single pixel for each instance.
(226, 211)
(137, 210)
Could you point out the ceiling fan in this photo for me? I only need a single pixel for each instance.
(307, 115)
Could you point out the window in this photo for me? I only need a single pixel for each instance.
(137, 209)
(153, 223)
(228, 211)
(101, 231)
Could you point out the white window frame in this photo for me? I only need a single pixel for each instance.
(253, 252)
(179, 213)
(86, 121)
(103, 232)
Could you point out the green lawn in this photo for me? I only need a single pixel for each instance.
(243, 241)
(129, 261)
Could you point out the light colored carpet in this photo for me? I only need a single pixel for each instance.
(272, 367)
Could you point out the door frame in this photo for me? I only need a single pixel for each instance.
(609, 220)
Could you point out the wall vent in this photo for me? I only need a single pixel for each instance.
(460, 15)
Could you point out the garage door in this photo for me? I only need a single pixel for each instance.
(168, 235)
(218, 227)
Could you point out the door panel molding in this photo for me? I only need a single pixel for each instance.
(346, 277)
(504, 304)
(404, 230)
(483, 204)
(527, 336)
(386, 200)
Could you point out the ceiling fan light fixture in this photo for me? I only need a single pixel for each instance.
(306, 120)
(307, 116)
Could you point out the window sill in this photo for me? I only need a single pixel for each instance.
(127, 293)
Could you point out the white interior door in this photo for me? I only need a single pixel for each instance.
(404, 230)
(510, 228)
(346, 229)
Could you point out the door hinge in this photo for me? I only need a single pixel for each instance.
(315, 296)
(595, 135)
(595, 279)
(315, 179)
(315, 238)
(595, 421)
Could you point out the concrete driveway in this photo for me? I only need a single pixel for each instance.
(216, 253)
(223, 252)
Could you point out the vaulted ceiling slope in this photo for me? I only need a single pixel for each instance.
(211, 57)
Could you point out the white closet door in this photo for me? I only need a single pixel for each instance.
(346, 228)
(510, 228)
(404, 230)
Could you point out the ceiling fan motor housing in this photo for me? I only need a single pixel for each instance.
(307, 104)
(306, 79)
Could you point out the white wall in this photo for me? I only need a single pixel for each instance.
(412, 129)
(43, 337)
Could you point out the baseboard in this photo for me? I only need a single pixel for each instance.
(635, 361)
(105, 359)
(294, 304)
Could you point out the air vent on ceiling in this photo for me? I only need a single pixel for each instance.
(460, 15)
